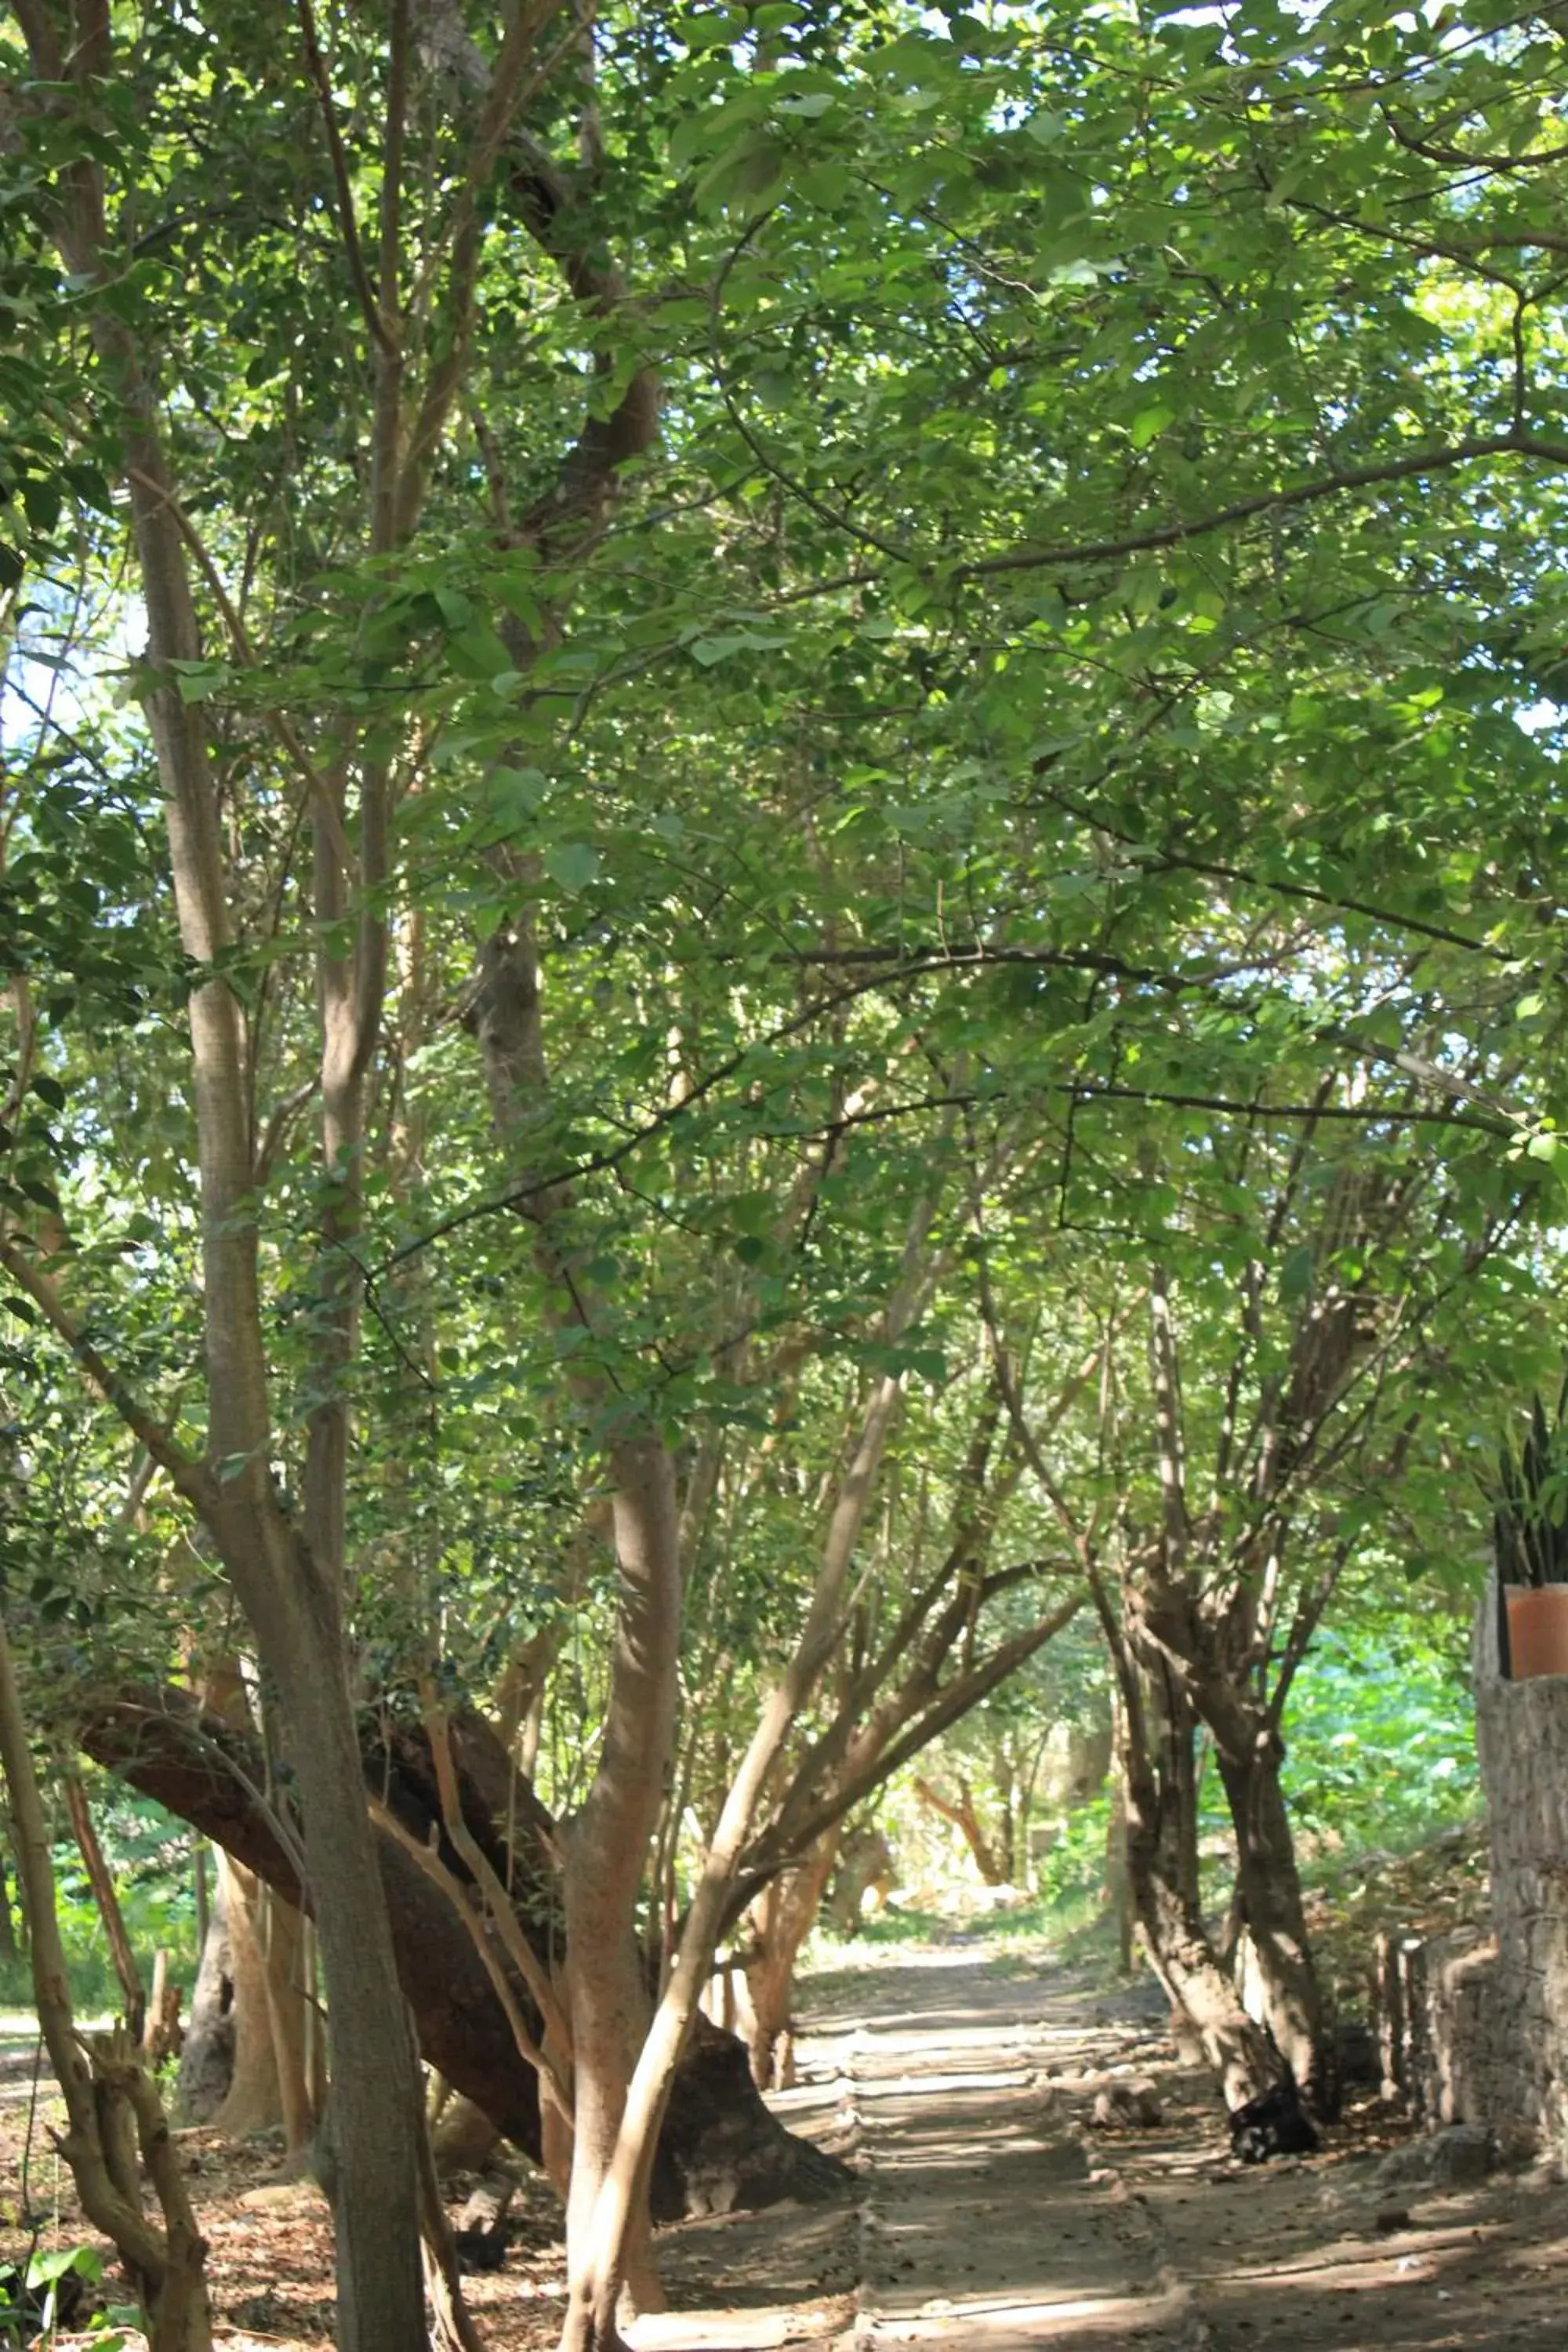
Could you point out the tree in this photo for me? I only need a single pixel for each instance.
(1077, 444)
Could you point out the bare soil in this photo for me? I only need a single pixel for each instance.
(988, 2210)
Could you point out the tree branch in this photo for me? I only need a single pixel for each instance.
(381, 332)
(191, 1478)
(1442, 459)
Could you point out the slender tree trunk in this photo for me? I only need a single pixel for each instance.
(206, 2061)
(1272, 1914)
(131, 1991)
(251, 2103)
(111, 2103)
(10, 1949)
(783, 1918)
(962, 1813)
(605, 1848)
(269, 2084)
(162, 2035)
(1117, 1878)
(284, 1955)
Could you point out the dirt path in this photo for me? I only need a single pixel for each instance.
(988, 2215)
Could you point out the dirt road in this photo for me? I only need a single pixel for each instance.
(988, 2215)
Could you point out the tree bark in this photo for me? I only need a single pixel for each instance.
(251, 2102)
(1272, 1913)
(206, 2061)
(111, 2103)
(783, 1918)
(268, 2081)
(10, 1949)
(605, 1849)
(962, 1811)
(131, 1989)
(720, 2146)
(1159, 1769)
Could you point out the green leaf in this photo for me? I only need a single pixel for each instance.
(573, 864)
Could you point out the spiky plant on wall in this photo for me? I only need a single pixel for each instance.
(1529, 1509)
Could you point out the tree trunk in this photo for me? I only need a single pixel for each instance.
(962, 1811)
(605, 1849)
(1118, 1893)
(163, 2036)
(111, 2102)
(10, 1950)
(865, 1864)
(131, 1991)
(206, 2061)
(783, 1918)
(1163, 1874)
(288, 2009)
(719, 2142)
(1272, 1914)
(268, 2084)
(251, 2103)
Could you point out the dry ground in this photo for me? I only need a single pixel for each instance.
(985, 2213)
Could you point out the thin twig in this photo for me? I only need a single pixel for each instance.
(317, 64)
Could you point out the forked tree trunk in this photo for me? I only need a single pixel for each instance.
(993, 1863)
(1163, 1875)
(1268, 1885)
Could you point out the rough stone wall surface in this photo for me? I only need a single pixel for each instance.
(1448, 2045)
(1521, 1730)
(1474, 2027)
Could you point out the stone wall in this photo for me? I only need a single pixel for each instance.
(1446, 2044)
(1521, 1730)
(1475, 2027)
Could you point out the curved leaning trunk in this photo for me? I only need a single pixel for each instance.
(720, 2147)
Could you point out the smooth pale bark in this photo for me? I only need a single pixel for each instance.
(782, 1918)
(268, 2085)
(293, 1606)
(605, 1848)
(284, 1945)
(206, 2061)
(251, 2103)
(111, 2103)
(607, 2236)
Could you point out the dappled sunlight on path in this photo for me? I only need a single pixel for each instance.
(988, 2215)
